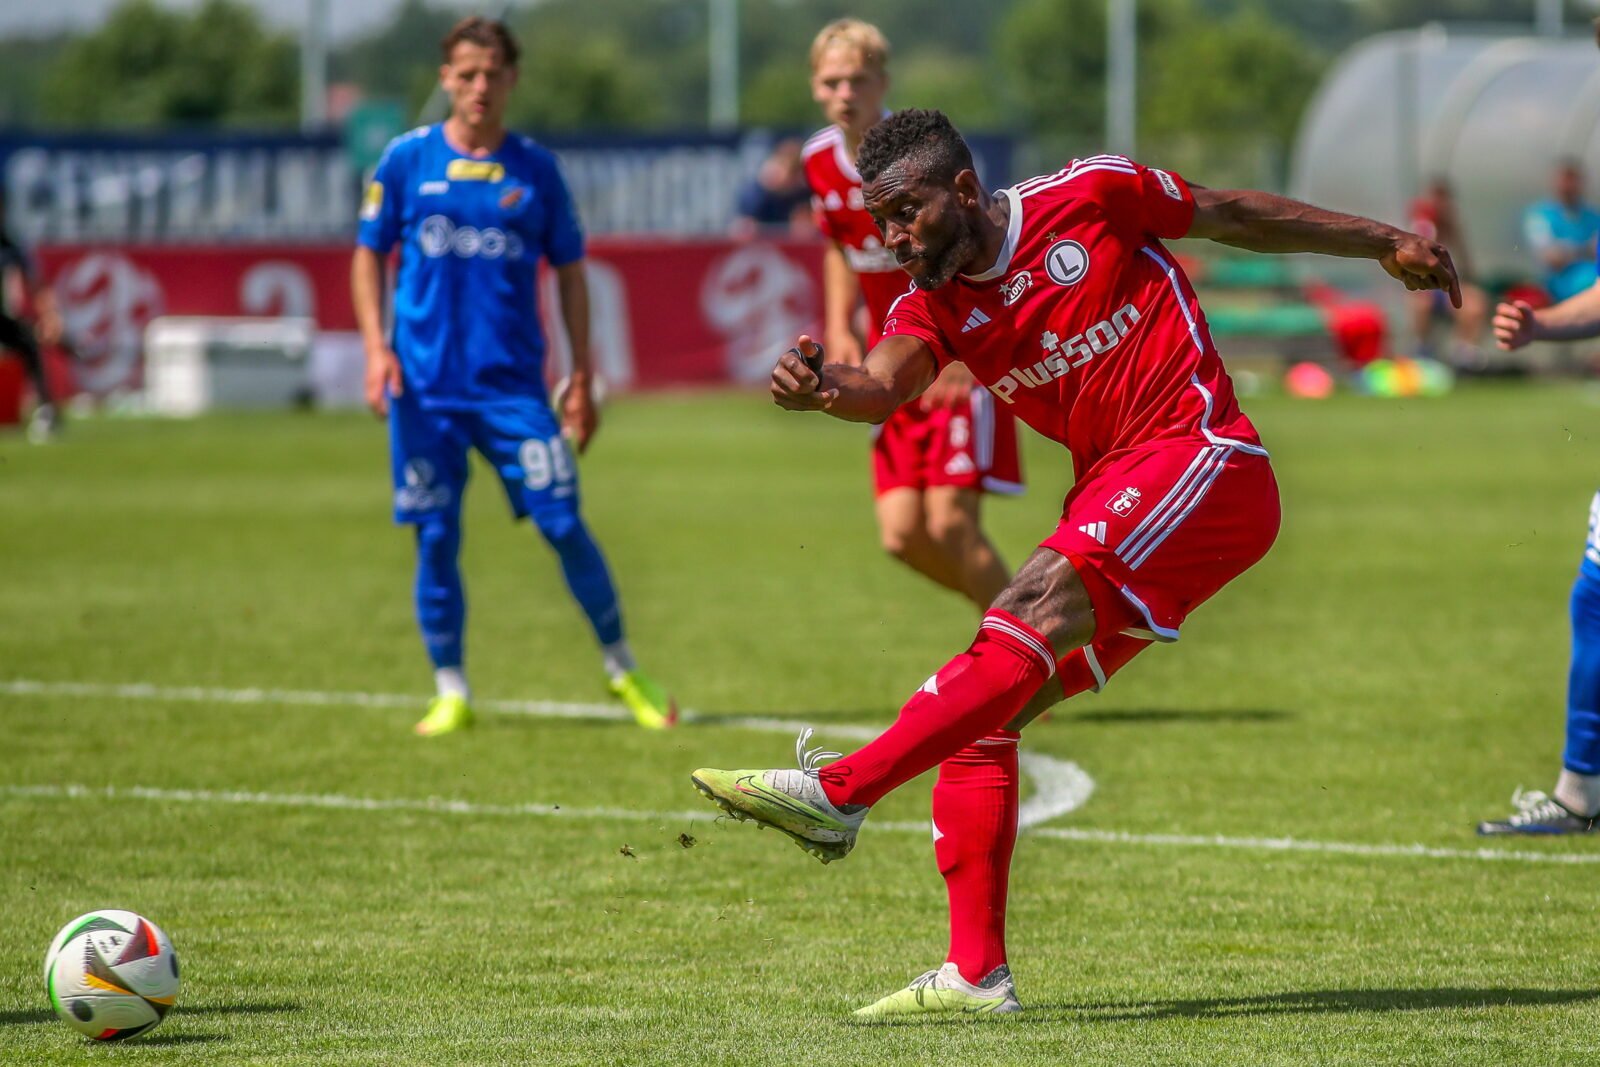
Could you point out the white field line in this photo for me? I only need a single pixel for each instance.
(1059, 786)
(440, 806)
(431, 805)
(1295, 844)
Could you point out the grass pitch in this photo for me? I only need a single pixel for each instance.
(341, 892)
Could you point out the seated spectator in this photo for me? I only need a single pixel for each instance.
(777, 200)
(1561, 231)
(1434, 215)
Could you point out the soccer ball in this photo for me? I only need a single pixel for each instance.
(111, 975)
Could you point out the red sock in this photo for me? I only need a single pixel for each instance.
(975, 829)
(970, 697)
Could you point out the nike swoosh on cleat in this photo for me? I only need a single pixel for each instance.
(783, 800)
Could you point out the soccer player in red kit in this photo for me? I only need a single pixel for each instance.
(1094, 337)
(932, 460)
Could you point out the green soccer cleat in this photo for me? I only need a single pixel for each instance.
(945, 992)
(791, 801)
(447, 713)
(652, 706)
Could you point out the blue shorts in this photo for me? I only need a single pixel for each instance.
(520, 438)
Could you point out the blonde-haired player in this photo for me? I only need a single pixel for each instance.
(932, 461)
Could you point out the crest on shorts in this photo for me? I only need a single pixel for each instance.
(1124, 503)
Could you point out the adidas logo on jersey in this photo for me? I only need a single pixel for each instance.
(1096, 530)
(974, 320)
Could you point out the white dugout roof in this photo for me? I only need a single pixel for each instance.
(1491, 113)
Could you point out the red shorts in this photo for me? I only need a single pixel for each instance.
(1154, 532)
(968, 445)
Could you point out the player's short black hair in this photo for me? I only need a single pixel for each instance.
(924, 138)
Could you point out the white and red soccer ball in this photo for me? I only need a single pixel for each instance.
(111, 975)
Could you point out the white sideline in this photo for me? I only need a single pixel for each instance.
(434, 805)
(1059, 786)
(1295, 844)
(442, 806)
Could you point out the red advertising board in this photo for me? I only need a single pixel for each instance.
(665, 313)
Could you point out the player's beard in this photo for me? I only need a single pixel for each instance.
(943, 264)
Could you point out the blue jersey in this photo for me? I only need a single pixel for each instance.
(471, 230)
(1550, 223)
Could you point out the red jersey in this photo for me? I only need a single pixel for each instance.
(1085, 327)
(843, 217)
(1424, 218)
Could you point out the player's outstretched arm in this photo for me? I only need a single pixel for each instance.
(896, 371)
(1516, 323)
(1264, 222)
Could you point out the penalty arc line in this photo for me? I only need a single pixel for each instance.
(1059, 786)
(444, 806)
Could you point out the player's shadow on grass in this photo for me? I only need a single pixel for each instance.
(1319, 1002)
(1156, 716)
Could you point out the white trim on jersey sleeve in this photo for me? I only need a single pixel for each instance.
(817, 142)
(887, 315)
(1119, 164)
(1008, 248)
(1025, 186)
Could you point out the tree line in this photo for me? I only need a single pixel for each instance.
(1218, 79)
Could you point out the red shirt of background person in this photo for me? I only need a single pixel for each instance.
(931, 460)
(1434, 215)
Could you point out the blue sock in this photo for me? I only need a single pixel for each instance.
(441, 602)
(586, 572)
(1583, 681)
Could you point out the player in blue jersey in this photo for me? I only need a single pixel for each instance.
(1574, 805)
(472, 210)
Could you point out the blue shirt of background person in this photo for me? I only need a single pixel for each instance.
(471, 231)
(1562, 232)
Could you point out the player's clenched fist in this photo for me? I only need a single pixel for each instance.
(795, 385)
(1513, 324)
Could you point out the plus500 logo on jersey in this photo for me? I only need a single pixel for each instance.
(1068, 355)
(439, 236)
